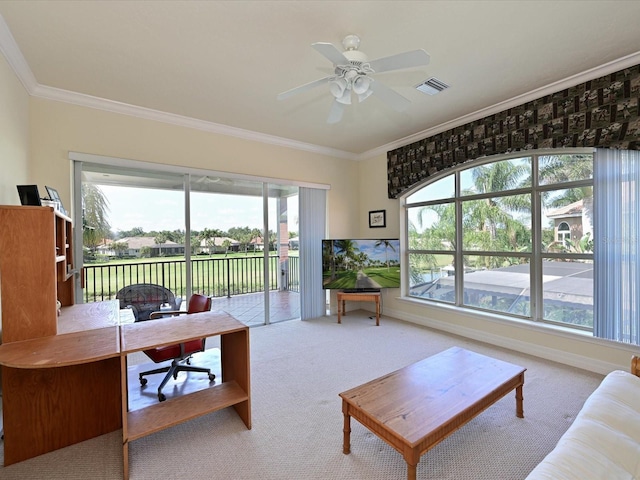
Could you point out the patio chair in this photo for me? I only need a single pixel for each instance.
(179, 354)
(145, 298)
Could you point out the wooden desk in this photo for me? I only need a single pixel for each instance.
(77, 370)
(84, 374)
(358, 297)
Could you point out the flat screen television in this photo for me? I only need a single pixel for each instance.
(358, 265)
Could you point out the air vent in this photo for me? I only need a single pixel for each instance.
(432, 86)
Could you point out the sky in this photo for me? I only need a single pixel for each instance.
(164, 210)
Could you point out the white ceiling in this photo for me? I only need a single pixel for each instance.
(221, 64)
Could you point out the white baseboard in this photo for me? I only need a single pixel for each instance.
(580, 361)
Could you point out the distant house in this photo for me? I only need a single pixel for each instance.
(572, 221)
(137, 244)
(219, 245)
(294, 243)
(257, 244)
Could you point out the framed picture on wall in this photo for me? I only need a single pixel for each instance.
(377, 219)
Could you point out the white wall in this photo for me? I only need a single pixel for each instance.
(14, 135)
(57, 128)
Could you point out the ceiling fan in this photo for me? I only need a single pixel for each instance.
(352, 75)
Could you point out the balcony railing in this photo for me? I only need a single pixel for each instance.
(216, 277)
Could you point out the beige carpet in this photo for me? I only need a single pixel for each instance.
(298, 369)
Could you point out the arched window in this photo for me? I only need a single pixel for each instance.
(478, 237)
(564, 233)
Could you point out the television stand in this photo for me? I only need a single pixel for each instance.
(358, 296)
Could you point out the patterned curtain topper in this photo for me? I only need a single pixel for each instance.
(601, 113)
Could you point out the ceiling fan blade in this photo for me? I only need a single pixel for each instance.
(414, 58)
(304, 88)
(393, 98)
(335, 114)
(329, 51)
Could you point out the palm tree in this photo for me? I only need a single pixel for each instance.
(95, 223)
(209, 235)
(565, 168)
(160, 239)
(387, 245)
(442, 232)
(120, 248)
(491, 213)
(347, 248)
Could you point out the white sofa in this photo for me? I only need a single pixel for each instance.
(604, 440)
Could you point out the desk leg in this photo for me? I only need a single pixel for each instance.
(125, 411)
(346, 429)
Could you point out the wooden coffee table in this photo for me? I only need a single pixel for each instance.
(416, 407)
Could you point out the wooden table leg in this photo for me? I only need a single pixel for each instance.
(519, 400)
(411, 471)
(377, 311)
(412, 457)
(346, 429)
(339, 310)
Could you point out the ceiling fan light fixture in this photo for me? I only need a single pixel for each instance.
(361, 84)
(345, 99)
(337, 87)
(352, 72)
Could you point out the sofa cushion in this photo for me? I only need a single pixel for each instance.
(604, 440)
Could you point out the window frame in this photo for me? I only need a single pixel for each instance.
(535, 257)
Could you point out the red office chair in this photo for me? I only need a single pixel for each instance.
(180, 353)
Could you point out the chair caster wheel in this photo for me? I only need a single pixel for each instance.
(161, 397)
(212, 377)
(143, 382)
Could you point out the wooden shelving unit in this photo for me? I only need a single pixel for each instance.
(28, 266)
(65, 268)
(36, 261)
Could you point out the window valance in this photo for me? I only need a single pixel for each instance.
(600, 113)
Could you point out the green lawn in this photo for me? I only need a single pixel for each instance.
(217, 275)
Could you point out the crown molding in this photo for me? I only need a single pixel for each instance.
(572, 81)
(83, 100)
(16, 60)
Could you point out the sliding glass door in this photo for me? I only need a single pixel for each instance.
(284, 300)
(133, 231)
(234, 239)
